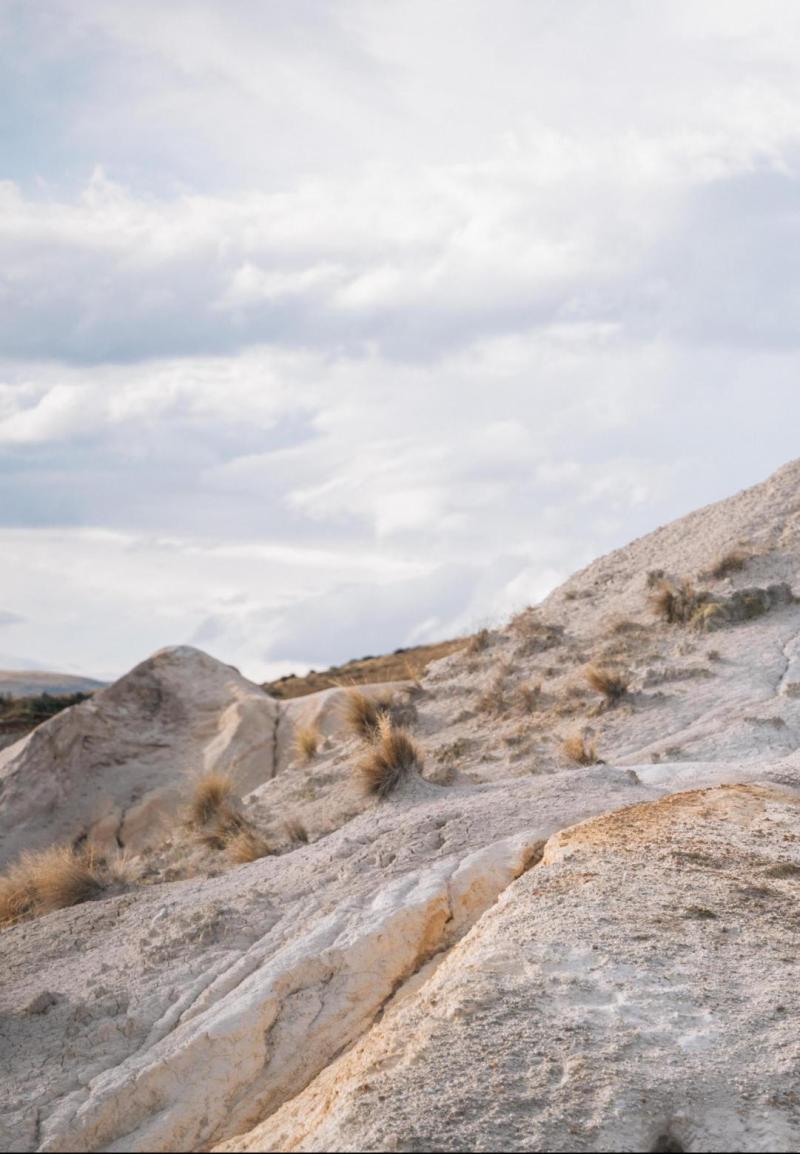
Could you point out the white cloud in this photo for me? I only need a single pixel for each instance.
(333, 326)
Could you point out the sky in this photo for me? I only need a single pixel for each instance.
(334, 326)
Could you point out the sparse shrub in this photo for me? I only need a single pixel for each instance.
(389, 760)
(734, 561)
(654, 578)
(478, 642)
(306, 742)
(247, 845)
(613, 686)
(362, 714)
(580, 751)
(296, 830)
(714, 655)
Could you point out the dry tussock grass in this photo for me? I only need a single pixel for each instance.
(580, 751)
(306, 742)
(217, 822)
(392, 757)
(676, 602)
(610, 684)
(47, 880)
(247, 845)
(734, 561)
(362, 714)
(212, 794)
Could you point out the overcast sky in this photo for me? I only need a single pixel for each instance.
(330, 326)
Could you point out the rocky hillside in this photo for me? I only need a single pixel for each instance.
(545, 897)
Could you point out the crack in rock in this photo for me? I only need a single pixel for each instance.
(259, 1042)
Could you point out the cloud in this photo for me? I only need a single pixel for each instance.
(335, 326)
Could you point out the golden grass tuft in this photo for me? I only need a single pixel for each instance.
(61, 878)
(675, 601)
(17, 897)
(212, 794)
(46, 880)
(611, 685)
(306, 742)
(247, 845)
(734, 561)
(216, 819)
(580, 751)
(362, 714)
(392, 757)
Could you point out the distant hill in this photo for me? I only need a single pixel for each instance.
(29, 697)
(397, 666)
(32, 682)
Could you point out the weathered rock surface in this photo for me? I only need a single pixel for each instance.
(114, 768)
(420, 976)
(636, 991)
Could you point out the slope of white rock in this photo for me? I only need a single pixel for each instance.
(114, 767)
(416, 978)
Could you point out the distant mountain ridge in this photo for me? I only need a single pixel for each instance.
(32, 682)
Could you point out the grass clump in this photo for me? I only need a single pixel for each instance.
(580, 751)
(46, 880)
(247, 845)
(306, 742)
(212, 795)
(676, 602)
(392, 757)
(362, 714)
(611, 685)
(215, 817)
(734, 561)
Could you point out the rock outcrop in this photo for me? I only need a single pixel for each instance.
(113, 769)
(511, 952)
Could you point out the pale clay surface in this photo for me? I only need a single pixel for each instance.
(416, 978)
